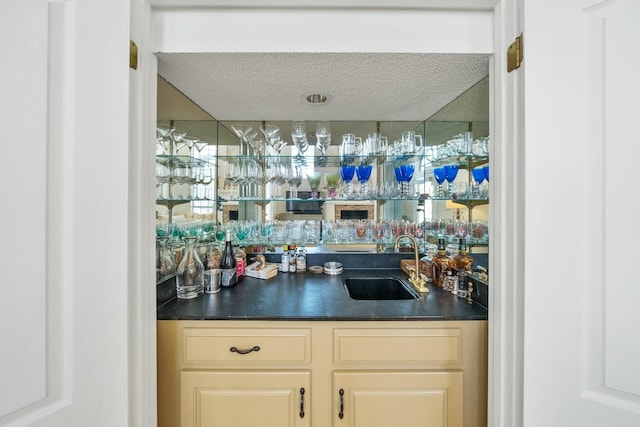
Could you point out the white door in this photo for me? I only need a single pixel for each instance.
(581, 340)
(64, 190)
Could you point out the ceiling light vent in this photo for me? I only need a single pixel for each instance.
(317, 98)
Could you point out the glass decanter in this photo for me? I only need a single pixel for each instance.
(190, 272)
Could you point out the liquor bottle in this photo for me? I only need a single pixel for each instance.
(301, 260)
(241, 262)
(462, 260)
(228, 265)
(284, 261)
(292, 259)
(440, 263)
(450, 282)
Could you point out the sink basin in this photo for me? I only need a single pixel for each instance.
(377, 288)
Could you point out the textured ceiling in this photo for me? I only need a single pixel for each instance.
(360, 86)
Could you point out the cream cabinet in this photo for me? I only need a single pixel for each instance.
(347, 373)
(242, 398)
(398, 398)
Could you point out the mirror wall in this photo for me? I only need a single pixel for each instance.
(233, 192)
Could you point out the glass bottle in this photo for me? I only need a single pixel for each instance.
(301, 260)
(166, 263)
(228, 265)
(241, 262)
(284, 261)
(462, 260)
(292, 259)
(440, 263)
(450, 282)
(190, 272)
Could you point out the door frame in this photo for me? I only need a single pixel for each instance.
(506, 209)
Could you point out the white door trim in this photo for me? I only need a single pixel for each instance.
(505, 314)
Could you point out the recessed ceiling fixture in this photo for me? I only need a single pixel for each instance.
(317, 98)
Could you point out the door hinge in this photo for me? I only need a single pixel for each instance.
(514, 54)
(133, 55)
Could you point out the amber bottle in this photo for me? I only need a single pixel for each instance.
(462, 260)
(440, 264)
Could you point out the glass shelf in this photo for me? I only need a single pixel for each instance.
(173, 161)
(268, 200)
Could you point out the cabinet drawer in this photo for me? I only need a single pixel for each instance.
(251, 346)
(397, 346)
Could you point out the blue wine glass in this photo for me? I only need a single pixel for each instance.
(486, 172)
(404, 174)
(346, 173)
(478, 177)
(450, 173)
(440, 177)
(363, 173)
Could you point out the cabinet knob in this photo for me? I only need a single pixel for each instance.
(341, 413)
(301, 402)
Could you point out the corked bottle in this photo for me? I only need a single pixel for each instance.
(228, 264)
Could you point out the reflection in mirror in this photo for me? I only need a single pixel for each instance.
(258, 174)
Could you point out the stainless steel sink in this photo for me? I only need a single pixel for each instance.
(377, 288)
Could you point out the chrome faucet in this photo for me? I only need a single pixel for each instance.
(415, 279)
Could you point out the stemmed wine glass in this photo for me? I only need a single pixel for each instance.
(440, 177)
(323, 139)
(205, 179)
(190, 143)
(270, 176)
(485, 193)
(163, 141)
(314, 182)
(177, 136)
(332, 184)
(273, 137)
(294, 179)
(299, 138)
(346, 173)
(199, 145)
(242, 132)
(404, 174)
(450, 173)
(478, 177)
(363, 173)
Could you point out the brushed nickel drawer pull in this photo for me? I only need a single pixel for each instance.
(301, 402)
(239, 351)
(341, 413)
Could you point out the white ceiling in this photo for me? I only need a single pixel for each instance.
(360, 86)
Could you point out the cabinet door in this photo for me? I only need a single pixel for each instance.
(245, 398)
(400, 399)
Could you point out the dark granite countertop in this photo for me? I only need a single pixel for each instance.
(320, 297)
